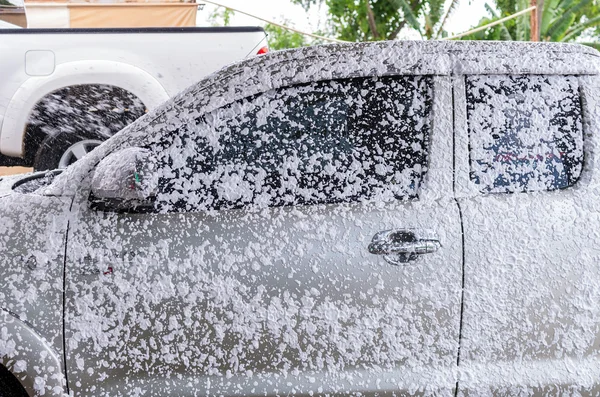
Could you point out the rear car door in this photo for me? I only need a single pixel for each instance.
(531, 322)
(304, 241)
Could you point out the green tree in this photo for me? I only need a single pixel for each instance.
(280, 38)
(5, 3)
(560, 20)
(372, 20)
(220, 16)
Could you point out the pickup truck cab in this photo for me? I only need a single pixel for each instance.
(63, 91)
(390, 218)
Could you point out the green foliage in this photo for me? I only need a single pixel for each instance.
(280, 38)
(220, 17)
(593, 45)
(409, 15)
(372, 20)
(561, 20)
(5, 3)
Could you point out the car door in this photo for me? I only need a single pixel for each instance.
(528, 180)
(303, 241)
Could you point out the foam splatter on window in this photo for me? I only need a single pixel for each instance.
(325, 142)
(525, 132)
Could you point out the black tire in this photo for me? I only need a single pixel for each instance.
(9, 385)
(54, 147)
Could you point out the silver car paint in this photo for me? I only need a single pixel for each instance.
(33, 231)
(36, 364)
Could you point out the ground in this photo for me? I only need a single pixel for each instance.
(14, 170)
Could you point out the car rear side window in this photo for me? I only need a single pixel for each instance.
(525, 132)
(324, 142)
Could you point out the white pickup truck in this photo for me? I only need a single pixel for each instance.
(63, 91)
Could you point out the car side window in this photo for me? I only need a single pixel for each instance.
(525, 132)
(318, 143)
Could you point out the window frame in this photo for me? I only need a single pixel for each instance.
(437, 180)
(465, 186)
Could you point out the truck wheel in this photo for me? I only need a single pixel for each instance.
(9, 385)
(63, 149)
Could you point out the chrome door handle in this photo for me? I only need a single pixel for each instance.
(401, 246)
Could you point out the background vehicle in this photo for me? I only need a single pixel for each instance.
(384, 218)
(63, 91)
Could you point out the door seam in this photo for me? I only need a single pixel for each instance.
(64, 307)
(64, 299)
(462, 234)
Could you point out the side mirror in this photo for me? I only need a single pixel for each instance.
(125, 181)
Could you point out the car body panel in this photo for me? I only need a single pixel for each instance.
(31, 287)
(33, 261)
(531, 322)
(274, 299)
(36, 364)
(248, 303)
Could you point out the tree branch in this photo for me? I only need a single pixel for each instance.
(394, 34)
(371, 19)
(453, 5)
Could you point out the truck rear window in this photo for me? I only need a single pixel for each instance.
(525, 132)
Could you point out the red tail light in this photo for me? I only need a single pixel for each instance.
(263, 50)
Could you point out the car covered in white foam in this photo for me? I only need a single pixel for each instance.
(402, 218)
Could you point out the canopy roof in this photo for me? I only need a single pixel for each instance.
(114, 14)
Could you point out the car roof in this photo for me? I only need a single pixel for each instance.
(338, 61)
